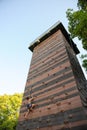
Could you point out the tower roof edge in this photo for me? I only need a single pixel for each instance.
(57, 26)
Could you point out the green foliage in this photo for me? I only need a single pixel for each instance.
(85, 64)
(84, 58)
(78, 22)
(82, 4)
(9, 111)
(78, 25)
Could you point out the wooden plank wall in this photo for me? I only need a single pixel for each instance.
(78, 73)
(52, 82)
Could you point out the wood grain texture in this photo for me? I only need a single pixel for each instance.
(53, 80)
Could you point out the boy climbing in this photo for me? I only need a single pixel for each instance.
(30, 106)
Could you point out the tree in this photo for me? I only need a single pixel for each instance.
(84, 58)
(82, 4)
(78, 24)
(9, 111)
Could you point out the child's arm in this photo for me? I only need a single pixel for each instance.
(32, 98)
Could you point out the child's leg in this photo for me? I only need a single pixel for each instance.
(34, 105)
(27, 113)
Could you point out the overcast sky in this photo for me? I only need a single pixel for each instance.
(22, 21)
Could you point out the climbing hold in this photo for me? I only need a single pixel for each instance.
(42, 61)
(48, 108)
(39, 110)
(69, 103)
(54, 74)
(58, 103)
(62, 110)
(48, 120)
(43, 82)
(66, 93)
(66, 67)
(66, 121)
(48, 74)
(80, 89)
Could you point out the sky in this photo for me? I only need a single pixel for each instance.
(21, 22)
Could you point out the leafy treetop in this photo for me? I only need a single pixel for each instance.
(9, 111)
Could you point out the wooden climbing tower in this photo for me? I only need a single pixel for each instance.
(57, 82)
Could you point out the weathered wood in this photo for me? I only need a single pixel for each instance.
(56, 80)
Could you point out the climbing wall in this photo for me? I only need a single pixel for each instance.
(52, 81)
